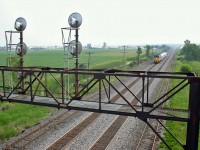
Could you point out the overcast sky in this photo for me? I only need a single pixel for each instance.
(116, 22)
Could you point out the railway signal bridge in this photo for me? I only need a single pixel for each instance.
(139, 105)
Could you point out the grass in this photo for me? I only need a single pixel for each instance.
(180, 100)
(195, 66)
(15, 118)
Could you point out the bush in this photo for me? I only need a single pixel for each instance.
(132, 63)
(6, 106)
(82, 66)
(143, 60)
(180, 58)
(186, 68)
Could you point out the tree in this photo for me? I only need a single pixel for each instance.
(190, 51)
(164, 47)
(186, 68)
(148, 50)
(187, 42)
(139, 51)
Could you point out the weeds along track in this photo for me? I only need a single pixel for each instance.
(74, 133)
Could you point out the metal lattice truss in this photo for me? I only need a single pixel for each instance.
(109, 98)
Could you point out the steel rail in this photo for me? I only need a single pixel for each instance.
(142, 137)
(109, 134)
(38, 129)
(74, 132)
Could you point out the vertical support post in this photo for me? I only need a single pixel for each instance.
(124, 58)
(46, 84)
(193, 123)
(31, 89)
(22, 60)
(143, 84)
(76, 64)
(99, 94)
(3, 80)
(109, 89)
(88, 66)
(62, 86)
(89, 60)
(147, 90)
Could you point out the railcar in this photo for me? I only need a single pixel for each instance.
(157, 58)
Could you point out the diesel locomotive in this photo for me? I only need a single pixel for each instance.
(159, 57)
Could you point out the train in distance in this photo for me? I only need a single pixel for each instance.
(157, 58)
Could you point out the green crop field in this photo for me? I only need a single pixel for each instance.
(100, 58)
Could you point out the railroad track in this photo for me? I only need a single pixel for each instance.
(148, 138)
(106, 138)
(108, 135)
(77, 130)
(74, 132)
(27, 139)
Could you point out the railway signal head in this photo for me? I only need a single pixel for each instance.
(75, 20)
(19, 50)
(20, 24)
(72, 48)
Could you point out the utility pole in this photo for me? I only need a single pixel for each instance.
(89, 56)
(88, 65)
(124, 51)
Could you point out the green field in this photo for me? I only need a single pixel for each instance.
(100, 58)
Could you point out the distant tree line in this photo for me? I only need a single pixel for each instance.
(191, 51)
